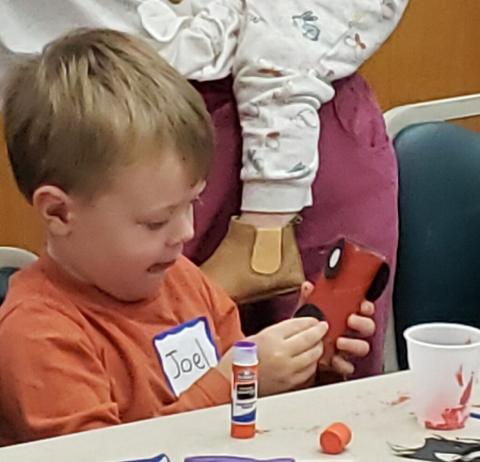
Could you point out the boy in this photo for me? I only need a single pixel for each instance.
(112, 146)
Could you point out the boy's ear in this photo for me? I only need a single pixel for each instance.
(55, 208)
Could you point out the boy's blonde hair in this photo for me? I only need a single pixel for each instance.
(86, 103)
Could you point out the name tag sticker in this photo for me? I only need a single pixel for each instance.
(186, 353)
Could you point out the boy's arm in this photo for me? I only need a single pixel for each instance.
(52, 381)
(212, 389)
(225, 315)
(56, 384)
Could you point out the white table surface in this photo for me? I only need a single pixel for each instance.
(291, 425)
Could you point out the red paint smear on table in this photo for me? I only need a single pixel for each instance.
(399, 400)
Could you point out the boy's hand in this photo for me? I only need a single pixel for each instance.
(288, 353)
(362, 325)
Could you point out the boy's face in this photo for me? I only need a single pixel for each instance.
(125, 239)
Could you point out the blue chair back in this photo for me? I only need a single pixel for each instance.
(438, 272)
(5, 274)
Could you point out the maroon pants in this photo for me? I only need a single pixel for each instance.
(354, 195)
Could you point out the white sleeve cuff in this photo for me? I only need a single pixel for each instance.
(275, 196)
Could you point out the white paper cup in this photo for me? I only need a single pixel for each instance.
(444, 359)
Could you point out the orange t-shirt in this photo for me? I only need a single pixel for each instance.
(73, 358)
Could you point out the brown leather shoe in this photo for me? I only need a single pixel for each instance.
(254, 264)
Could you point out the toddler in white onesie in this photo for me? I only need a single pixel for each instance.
(284, 55)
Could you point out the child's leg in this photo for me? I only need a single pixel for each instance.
(282, 79)
(280, 83)
(354, 194)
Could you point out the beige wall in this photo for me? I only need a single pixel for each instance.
(18, 224)
(434, 53)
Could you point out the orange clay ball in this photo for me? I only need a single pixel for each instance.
(335, 438)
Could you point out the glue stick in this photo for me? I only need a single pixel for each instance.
(244, 389)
